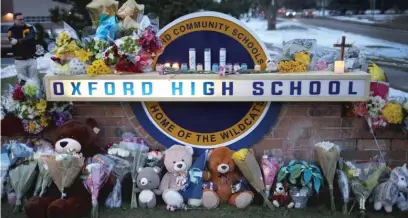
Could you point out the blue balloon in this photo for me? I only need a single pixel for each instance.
(107, 27)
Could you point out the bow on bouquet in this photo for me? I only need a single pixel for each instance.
(96, 175)
(64, 168)
(249, 167)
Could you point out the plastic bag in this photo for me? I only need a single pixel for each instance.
(19, 151)
(290, 48)
(107, 27)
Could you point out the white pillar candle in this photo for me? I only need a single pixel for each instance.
(175, 66)
(192, 59)
(257, 67)
(199, 67)
(167, 65)
(339, 66)
(223, 57)
(207, 59)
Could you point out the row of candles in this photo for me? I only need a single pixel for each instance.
(207, 63)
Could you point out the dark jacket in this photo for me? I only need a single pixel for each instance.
(25, 48)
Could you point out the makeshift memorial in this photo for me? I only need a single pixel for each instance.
(95, 176)
(21, 179)
(148, 182)
(249, 167)
(328, 155)
(281, 197)
(64, 168)
(363, 177)
(303, 178)
(270, 163)
(387, 193)
(344, 186)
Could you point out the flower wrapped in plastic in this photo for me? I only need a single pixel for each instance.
(97, 175)
(344, 186)
(64, 168)
(98, 67)
(96, 47)
(4, 165)
(328, 155)
(249, 167)
(393, 113)
(363, 177)
(128, 45)
(155, 159)
(44, 178)
(76, 67)
(270, 163)
(21, 179)
(150, 43)
(19, 152)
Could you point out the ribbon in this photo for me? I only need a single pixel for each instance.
(224, 178)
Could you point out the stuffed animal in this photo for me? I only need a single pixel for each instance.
(386, 193)
(81, 137)
(281, 197)
(228, 186)
(402, 202)
(177, 160)
(148, 182)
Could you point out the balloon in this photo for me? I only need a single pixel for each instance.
(130, 8)
(377, 74)
(97, 7)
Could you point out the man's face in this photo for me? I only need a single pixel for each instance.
(19, 21)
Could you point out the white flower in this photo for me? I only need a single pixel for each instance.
(119, 152)
(89, 167)
(327, 146)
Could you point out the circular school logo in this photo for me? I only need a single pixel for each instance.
(208, 124)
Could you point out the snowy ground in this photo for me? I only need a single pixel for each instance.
(379, 50)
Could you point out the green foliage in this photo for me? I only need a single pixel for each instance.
(301, 173)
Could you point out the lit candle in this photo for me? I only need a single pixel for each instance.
(339, 66)
(167, 65)
(257, 67)
(184, 67)
(199, 67)
(229, 67)
(223, 57)
(175, 66)
(236, 67)
(192, 59)
(207, 59)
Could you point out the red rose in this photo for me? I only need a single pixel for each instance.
(18, 94)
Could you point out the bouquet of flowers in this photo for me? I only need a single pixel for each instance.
(344, 186)
(21, 179)
(97, 174)
(249, 167)
(64, 168)
(155, 159)
(271, 163)
(121, 168)
(363, 177)
(328, 155)
(44, 178)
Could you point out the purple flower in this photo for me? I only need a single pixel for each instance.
(61, 117)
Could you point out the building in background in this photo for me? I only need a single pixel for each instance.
(35, 11)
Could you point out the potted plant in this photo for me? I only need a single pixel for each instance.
(302, 177)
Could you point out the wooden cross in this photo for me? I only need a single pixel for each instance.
(342, 45)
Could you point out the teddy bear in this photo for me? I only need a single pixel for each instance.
(177, 160)
(148, 182)
(225, 178)
(386, 193)
(281, 197)
(81, 137)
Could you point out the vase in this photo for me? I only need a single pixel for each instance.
(300, 196)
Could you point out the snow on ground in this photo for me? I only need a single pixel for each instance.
(287, 30)
(378, 18)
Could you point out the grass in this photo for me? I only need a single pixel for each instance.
(222, 211)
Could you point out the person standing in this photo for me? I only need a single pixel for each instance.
(22, 39)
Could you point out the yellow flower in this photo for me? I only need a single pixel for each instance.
(291, 67)
(31, 126)
(44, 122)
(83, 55)
(62, 39)
(98, 67)
(240, 155)
(41, 105)
(303, 58)
(393, 113)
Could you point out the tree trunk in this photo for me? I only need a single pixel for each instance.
(272, 13)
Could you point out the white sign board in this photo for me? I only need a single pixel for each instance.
(193, 87)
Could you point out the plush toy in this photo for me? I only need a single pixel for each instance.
(177, 160)
(386, 193)
(402, 202)
(81, 137)
(227, 185)
(148, 182)
(280, 197)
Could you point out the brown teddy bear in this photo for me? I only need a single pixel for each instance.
(280, 197)
(227, 184)
(82, 137)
